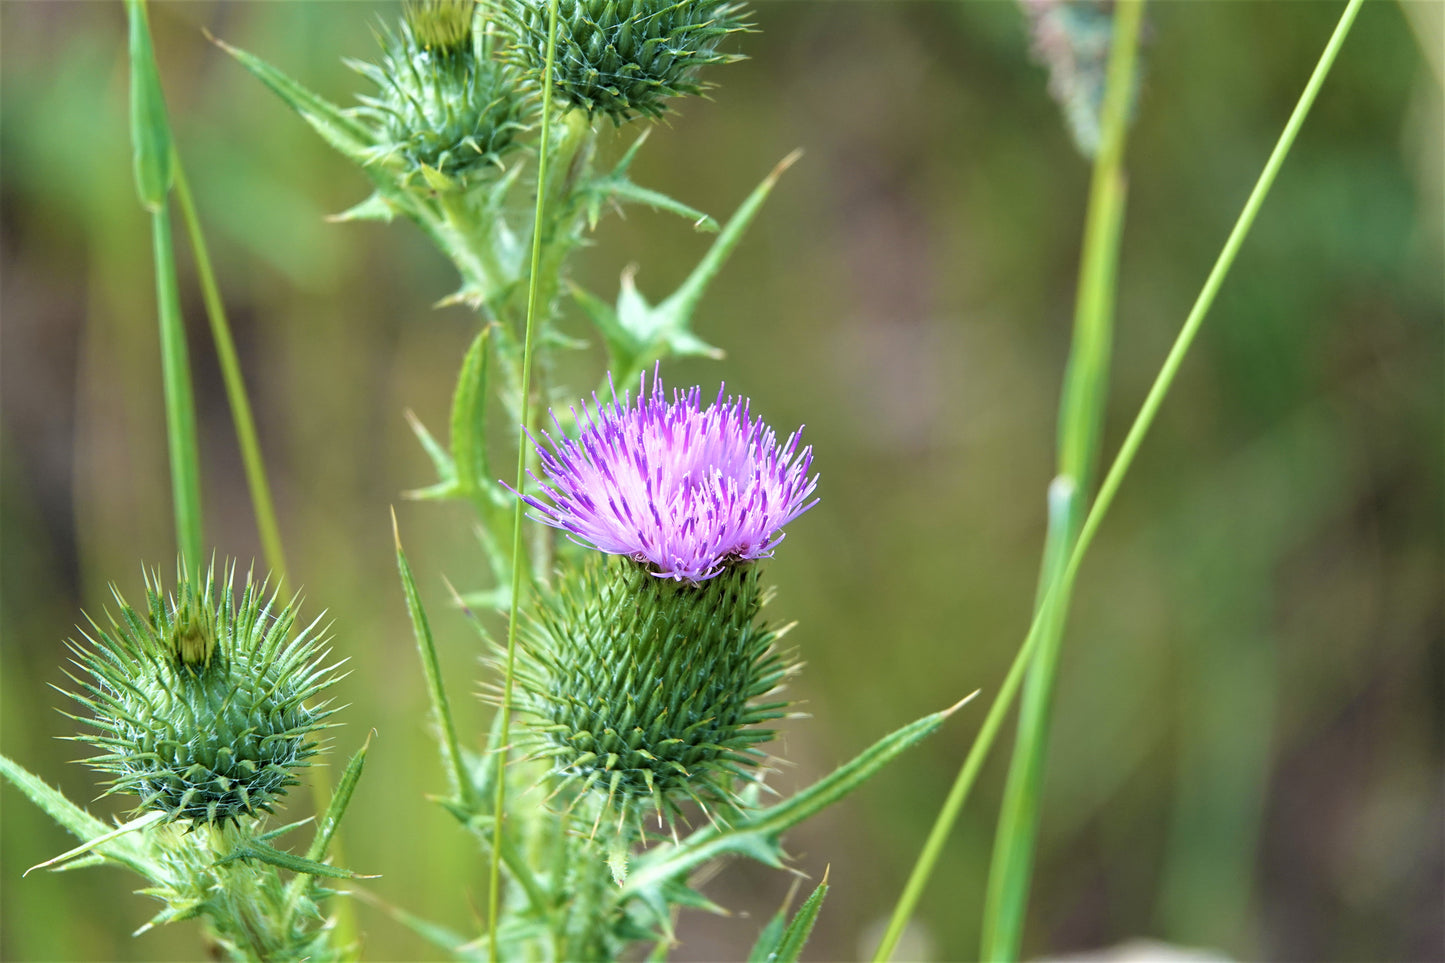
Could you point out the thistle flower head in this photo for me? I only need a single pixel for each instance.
(200, 706)
(624, 57)
(685, 489)
(444, 104)
(644, 693)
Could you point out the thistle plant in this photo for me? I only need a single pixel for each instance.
(203, 707)
(638, 681)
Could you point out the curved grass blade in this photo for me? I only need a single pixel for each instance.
(933, 847)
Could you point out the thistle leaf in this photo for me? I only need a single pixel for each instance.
(340, 799)
(79, 822)
(374, 208)
(796, 936)
(461, 786)
(757, 835)
(257, 850)
(336, 127)
(469, 417)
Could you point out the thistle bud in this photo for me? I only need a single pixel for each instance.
(625, 57)
(445, 105)
(647, 674)
(200, 705)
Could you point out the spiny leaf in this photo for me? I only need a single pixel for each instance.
(336, 127)
(340, 799)
(79, 822)
(791, 945)
(257, 850)
(757, 834)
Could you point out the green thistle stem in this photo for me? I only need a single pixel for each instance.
(1081, 419)
(933, 847)
(500, 800)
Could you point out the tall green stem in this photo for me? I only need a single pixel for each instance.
(179, 398)
(152, 157)
(1081, 419)
(533, 290)
(933, 846)
(255, 466)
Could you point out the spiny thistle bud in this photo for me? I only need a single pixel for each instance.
(200, 706)
(625, 57)
(445, 105)
(645, 675)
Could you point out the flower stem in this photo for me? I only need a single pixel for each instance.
(533, 291)
(1081, 418)
(933, 847)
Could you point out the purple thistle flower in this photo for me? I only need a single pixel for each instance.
(684, 488)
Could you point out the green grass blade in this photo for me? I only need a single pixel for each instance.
(149, 132)
(181, 439)
(494, 874)
(255, 466)
(933, 847)
(1081, 420)
(153, 156)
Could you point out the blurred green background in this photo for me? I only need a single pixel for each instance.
(1247, 752)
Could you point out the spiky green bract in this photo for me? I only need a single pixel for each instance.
(201, 703)
(645, 692)
(445, 106)
(624, 57)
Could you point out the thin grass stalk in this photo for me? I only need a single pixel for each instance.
(533, 290)
(152, 155)
(255, 465)
(1081, 420)
(1143, 421)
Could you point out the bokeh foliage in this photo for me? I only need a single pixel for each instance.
(1248, 734)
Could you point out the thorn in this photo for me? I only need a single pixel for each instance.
(960, 703)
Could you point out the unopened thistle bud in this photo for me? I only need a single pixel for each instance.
(646, 674)
(200, 705)
(445, 105)
(625, 57)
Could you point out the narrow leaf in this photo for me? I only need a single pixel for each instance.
(257, 850)
(140, 822)
(340, 799)
(149, 130)
(791, 946)
(461, 786)
(469, 413)
(680, 305)
(757, 835)
(345, 133)
(73, 818)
